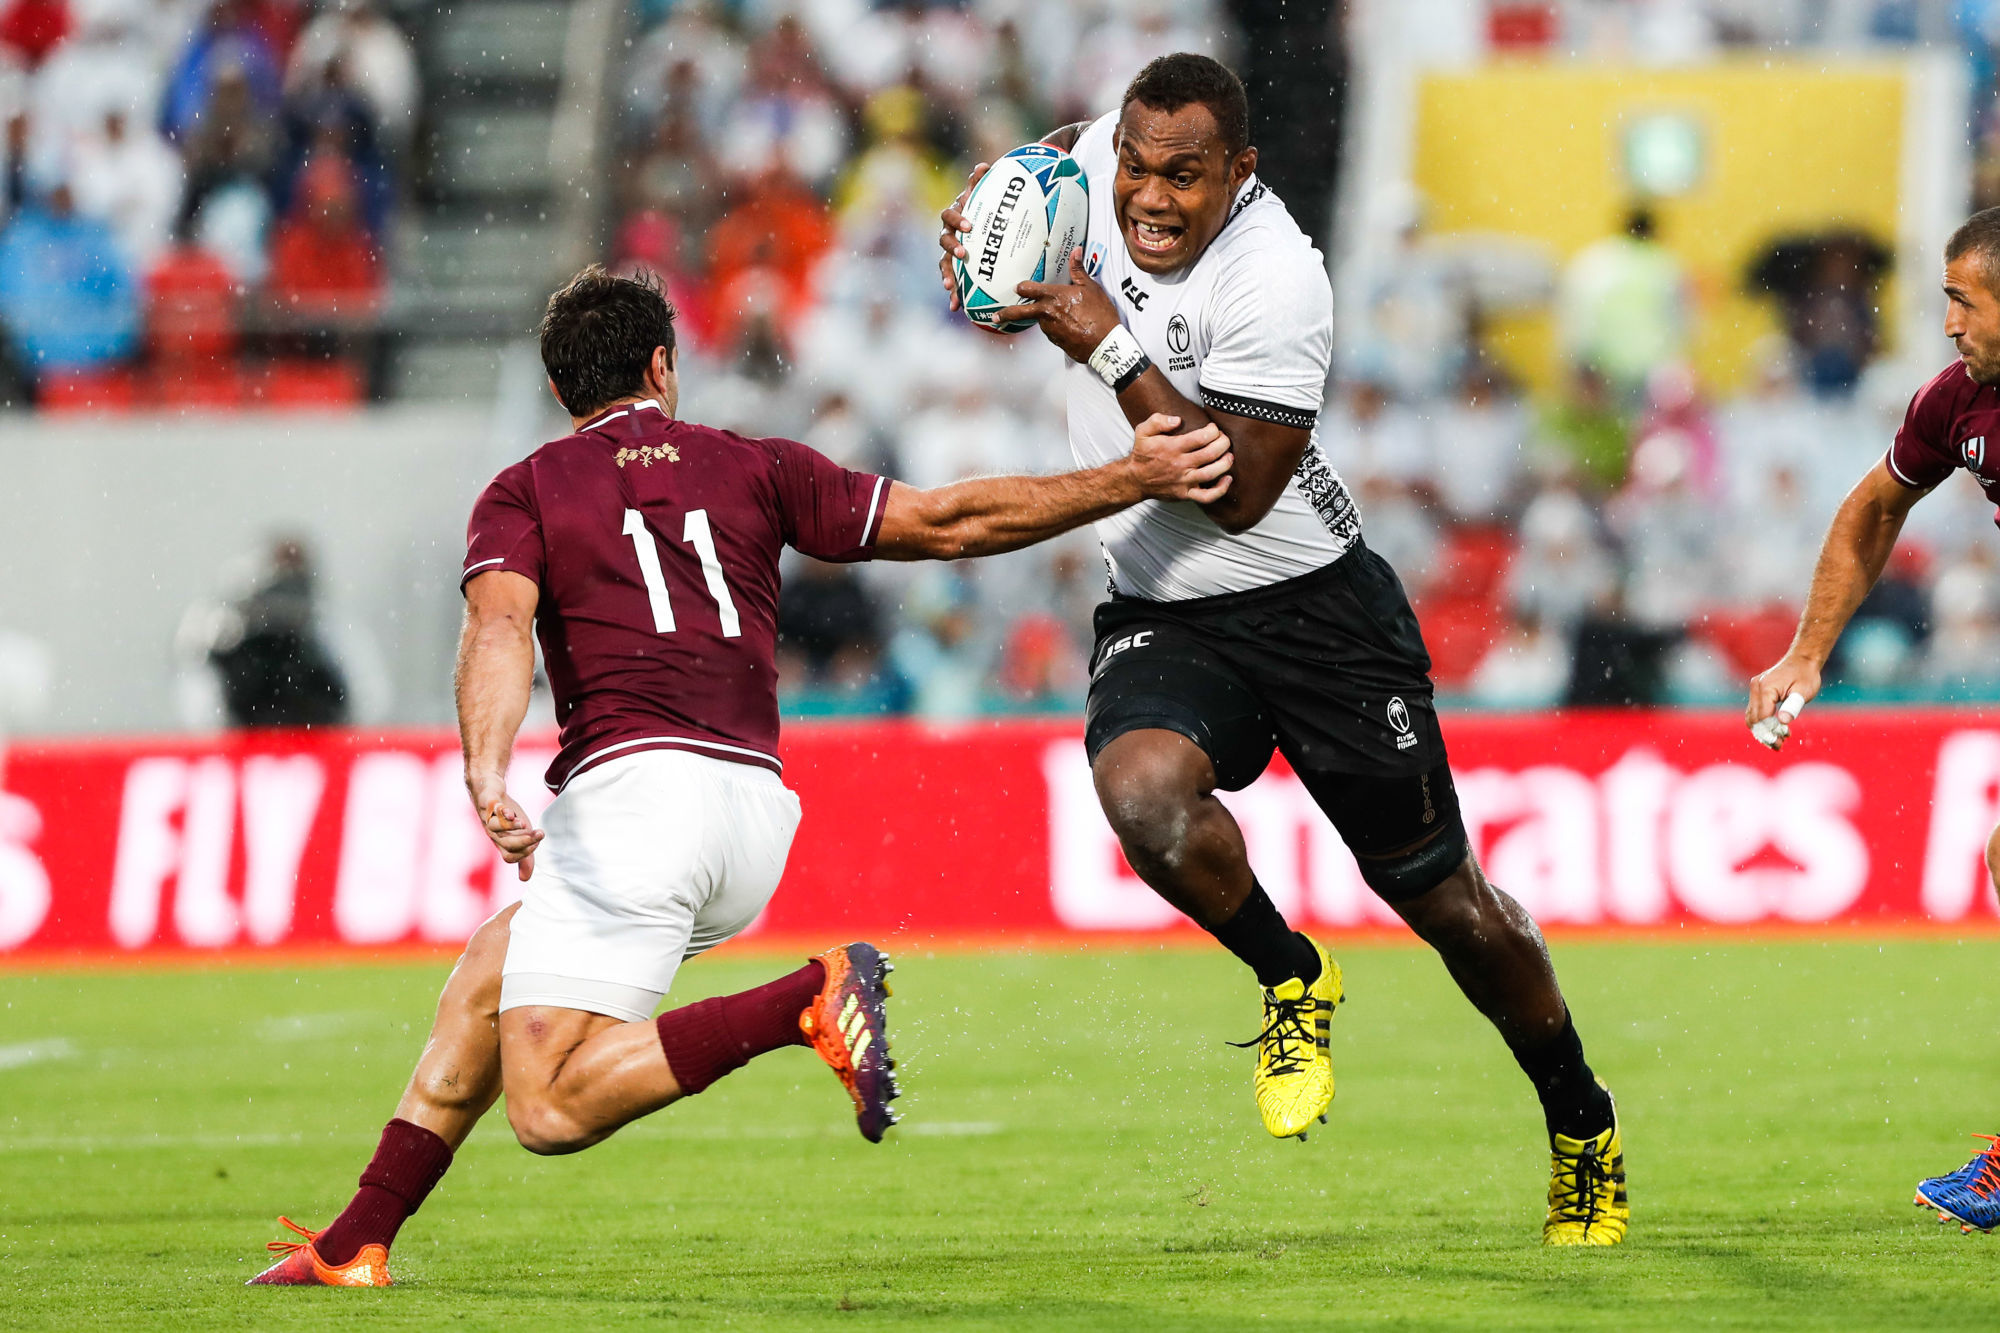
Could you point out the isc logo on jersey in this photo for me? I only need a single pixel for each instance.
(1027, 214)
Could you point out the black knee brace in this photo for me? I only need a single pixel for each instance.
(1407, 875)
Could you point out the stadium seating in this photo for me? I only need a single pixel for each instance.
(210, 170)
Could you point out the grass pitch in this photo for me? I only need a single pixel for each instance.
(1081, 1152)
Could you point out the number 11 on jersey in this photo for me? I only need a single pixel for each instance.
(697, 534)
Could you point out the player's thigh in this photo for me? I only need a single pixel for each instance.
(606, 919)
(537, 1040)
(1155, 675)
(1405, 829)
(747, 836)
(1347, 676)
(472, 991)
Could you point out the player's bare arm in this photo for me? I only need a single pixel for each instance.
(495, 673)
(989, 515)
(1857, 547)
(1864, 531)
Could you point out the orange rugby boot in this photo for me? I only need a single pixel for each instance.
(302, 1266)
(848, 1024)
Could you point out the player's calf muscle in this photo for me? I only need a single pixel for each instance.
(456, 1081)
(1463, 911)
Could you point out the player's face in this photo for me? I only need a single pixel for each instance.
(1174, 184)
(1972, 316)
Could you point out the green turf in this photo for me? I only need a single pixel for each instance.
(1081, 1152)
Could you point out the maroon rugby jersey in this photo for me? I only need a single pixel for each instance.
(655, 544)
(1952, 423)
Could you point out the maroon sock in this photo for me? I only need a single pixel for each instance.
(710, 1038)
(407, 1166)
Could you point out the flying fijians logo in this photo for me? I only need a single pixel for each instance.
(1399, 718)
(1975, 452)
(1178, 340)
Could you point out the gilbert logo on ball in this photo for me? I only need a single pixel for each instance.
(1027, 214)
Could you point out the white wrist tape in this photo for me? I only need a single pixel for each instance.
(1119, 359)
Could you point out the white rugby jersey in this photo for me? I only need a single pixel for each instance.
(1247, 329)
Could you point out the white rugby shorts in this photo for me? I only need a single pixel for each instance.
(650, 858)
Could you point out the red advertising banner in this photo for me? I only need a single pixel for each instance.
(1589, 818)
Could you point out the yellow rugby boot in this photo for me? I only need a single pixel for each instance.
(1294, 1069)
(1587, 1203)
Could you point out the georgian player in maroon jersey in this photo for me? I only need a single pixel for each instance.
(643, 551)
(1953, 422)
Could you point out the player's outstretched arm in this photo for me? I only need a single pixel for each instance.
(1857, 547)
(988, 515)
(496, 671)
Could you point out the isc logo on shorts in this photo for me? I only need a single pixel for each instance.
(1399, 718)
(1138, 640)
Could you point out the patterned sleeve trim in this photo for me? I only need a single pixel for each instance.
(1298, 418)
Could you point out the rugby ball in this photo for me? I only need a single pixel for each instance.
(1027, 213)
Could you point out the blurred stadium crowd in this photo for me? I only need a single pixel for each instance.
(198, 196)
(195, 199)
(783, 172)
(1623, 539)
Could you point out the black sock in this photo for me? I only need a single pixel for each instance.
(1259, 936)
(1572, 1102)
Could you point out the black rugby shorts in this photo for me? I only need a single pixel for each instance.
(1328, 668)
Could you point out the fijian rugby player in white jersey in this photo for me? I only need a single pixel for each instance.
(1261, 621)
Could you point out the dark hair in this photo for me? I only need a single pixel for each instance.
(1171, 82)
(598, 336)
(1979, 232)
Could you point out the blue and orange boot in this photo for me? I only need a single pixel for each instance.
(302, 1266)
(1969, 1196)
(848, 1024)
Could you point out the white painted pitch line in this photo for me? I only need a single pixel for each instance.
(35, 1052)
(127, 1142)
(307, 1027)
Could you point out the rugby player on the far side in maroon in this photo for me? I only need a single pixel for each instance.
(643, 551)
(1953, 422)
